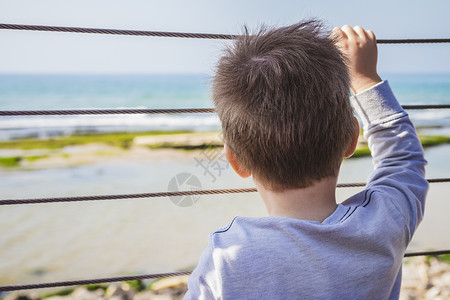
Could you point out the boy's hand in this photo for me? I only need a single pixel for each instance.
(360, 47)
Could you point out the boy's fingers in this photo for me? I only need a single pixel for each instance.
(338, 33)
(335, 32)
(371, 35)
(349, 32)
(360, 32)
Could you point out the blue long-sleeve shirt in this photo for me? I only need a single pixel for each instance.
(356, 253)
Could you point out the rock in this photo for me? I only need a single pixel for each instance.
(173, 287)
(82, 293)
(425, 278)
(116, 292)
(437, 268)
(432, 293)
(408, 294)
(415, 274)
(151, 295)
(20, 296)
(446, 279)
(170, 282)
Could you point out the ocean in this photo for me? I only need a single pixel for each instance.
(94, 239)
(34, 92)
(46, 92)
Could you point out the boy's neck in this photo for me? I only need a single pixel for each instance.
(314, 203)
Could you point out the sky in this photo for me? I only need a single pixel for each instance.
(49, 52)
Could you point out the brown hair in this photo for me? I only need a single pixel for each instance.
(282, 96)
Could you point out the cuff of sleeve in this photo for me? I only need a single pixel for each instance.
(377, 104)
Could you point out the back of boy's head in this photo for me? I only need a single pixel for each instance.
(282, 96)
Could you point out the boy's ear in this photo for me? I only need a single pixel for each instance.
(354, 141)
(234, 163)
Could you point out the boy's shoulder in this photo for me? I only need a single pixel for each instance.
(238, 229)
(369, 207)
(268, 229)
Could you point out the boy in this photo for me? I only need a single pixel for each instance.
(283, 99)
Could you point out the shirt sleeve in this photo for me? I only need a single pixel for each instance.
(398, 158)
(203, 283)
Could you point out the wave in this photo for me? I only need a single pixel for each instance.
(19, 127)
(430, 118)
(50, 126)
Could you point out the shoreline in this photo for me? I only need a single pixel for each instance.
(77, 150)
(73, 150)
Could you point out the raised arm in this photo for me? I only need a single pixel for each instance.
(396, 150)
(360, 47)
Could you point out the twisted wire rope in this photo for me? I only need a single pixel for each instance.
(431, 253)
(106, 111)
(117, 31)
(178, 34)
(153, 111)
(164, 194)
(9, 288)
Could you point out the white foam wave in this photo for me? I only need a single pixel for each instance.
(45, 126)
(430, 114)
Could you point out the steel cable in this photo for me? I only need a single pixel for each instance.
(126, 196)
(152, 111)
(9, 288)
(178, 34)
(106, 111)
(164, 194)
(431, 253)
(117, 31)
